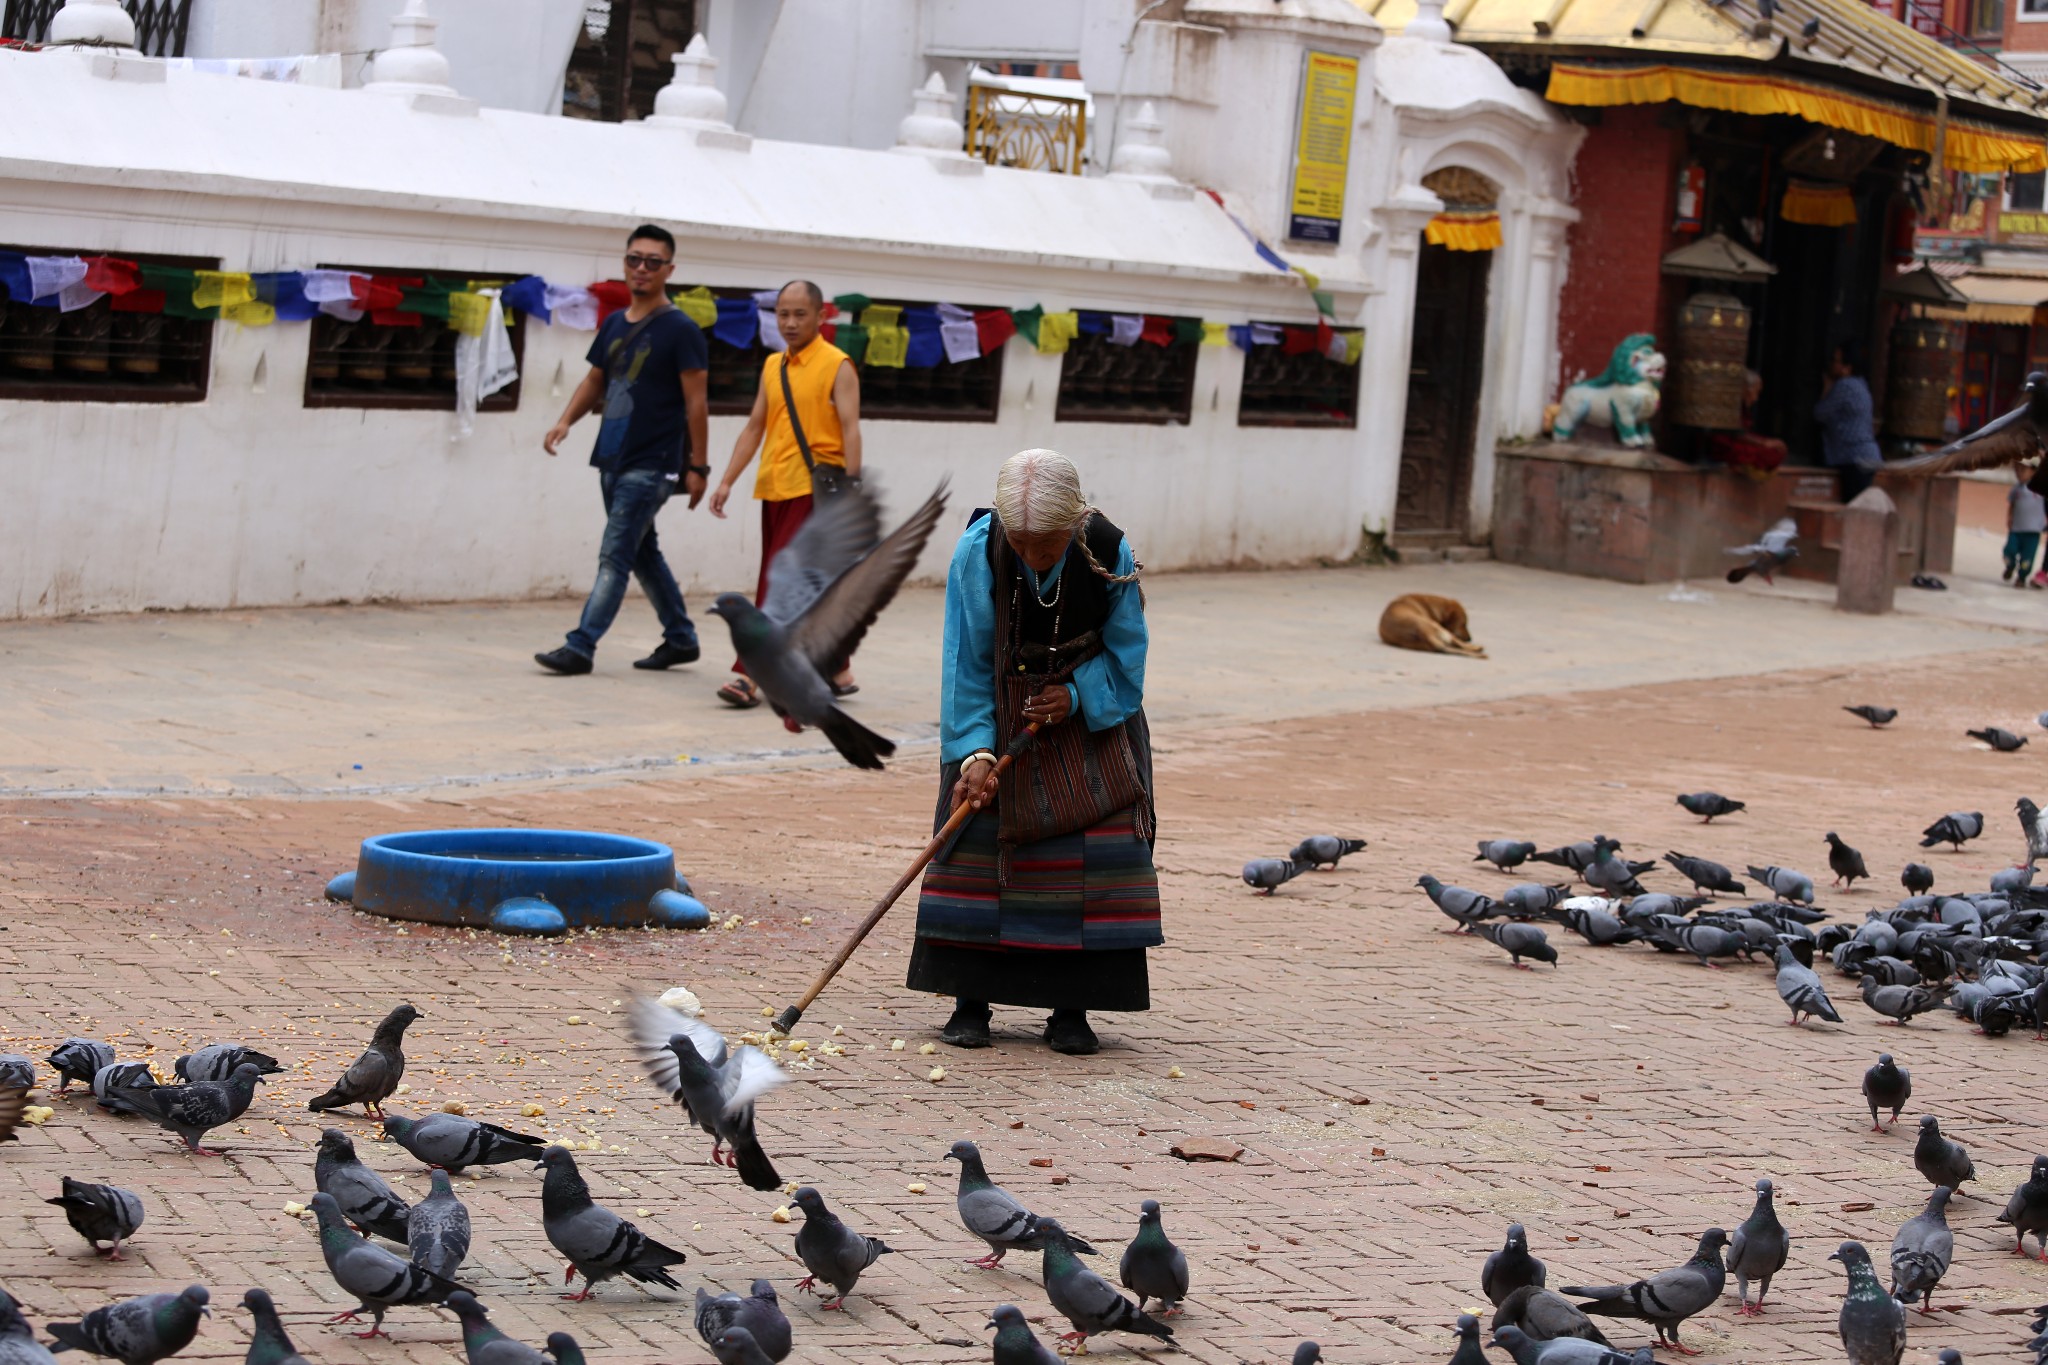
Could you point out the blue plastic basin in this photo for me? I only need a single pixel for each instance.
(459, 876)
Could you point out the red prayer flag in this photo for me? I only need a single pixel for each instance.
(993, 327)
(1323, 337)
(111, 276)
(829, 330)
(611, 296)
(380, 293)
(137, 301)
(1158, 331)
(1296, 340)
(392, 317)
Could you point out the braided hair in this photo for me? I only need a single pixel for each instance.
(1038, 491)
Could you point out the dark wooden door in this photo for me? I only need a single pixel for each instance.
(1448, 346)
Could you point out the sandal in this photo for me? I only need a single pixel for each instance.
(741, 693)
(845, 689)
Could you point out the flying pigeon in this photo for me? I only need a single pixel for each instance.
(1900, 1003)
(1542, 1315)
(1941, 1160)
(758, 1312)
(100, 1213)
(1266, 874)
(373, 1077)
(1084, 1298)
(1772, 551)
(191, 1111)
(1510, 1268)
(437, 1229)
(1872, 1323)
(1784, 883)
(359, 1192)
(78, 1059)
(1800, 988)
(736, 1346)
(111, 1083)
(1505, 854)
(1153, 1267)
(1921, 1252)
(1520, 940)
(484, 1344)
(1015, 1344)
(455, 1143)
(1667, 1298)
(1705, 875)
(1465, 907)
(1955, 829)
(2027, 1211)
(1758, 1251)
(1563, 1350)
(2014, 439)
(139, 1331)
(991, 1212)
(830, 1250)
(2005, 741)
(1886, 1085)
(1325, 850)
(717, 1088)
(17, 1072)
(597, 1242)
(268, 1344)
(1878, 716)
(1707, 805)
(825, 588)
(379, 1280)
(18, 1344)
(1918, 878)
(2032, 825)
(217, 1062)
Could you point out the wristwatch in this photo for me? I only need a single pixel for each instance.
(702, 471)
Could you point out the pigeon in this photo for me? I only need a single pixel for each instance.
(1469, 1351)
(17, 1072)
(1799, 987)
(359, 1192)
(1564, 1350)
(830, 1250)
(1707, 805)
(139, 1331)
(736, 1346)
(1526, 900)
(1668, 1298)
(1878, 716)
(1784, 883)
(1153, 1267)
(1084, 1298)
(13, 1112)
(1757, 1251)
(1308, 1353)
(1921, 1252)
(1704, 941)
(2027, 1211)
(485, 1344)
(191, 1111)
(1505, 854)
(1266, 874)
(1615, 876)
(1771, 552)
(2031, 824)
(18, 1344)
(825, 588)
(1900, 1003)
(564, 1349)
(1542, 1315)
(1917, 878)
(217, 1062)
(597, 1242)
(1465, 907)
(100, 1213)
(268, 1344)
(1574, 856)
(455, 1143)
(1587, 917)
(758, 1312)
(690, 1063)
(1846, 862)
(1886, 1085)
(373, 1077)
(2007, 880)
(437, 1229)
(1940, 1160)
(1705, 875)
(1325, 850)
(1520, 940)
(1510, 1268)
(78, 1059)
(991, 1212)
(2014, 439)
(1872, 1323)
(111, 1083)
(1955, 829)
(2005, 741)
(1016, 1345)
(379, 1280)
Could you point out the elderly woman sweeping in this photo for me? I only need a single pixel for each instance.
(1048, 898)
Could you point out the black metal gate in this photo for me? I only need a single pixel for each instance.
(159, 24)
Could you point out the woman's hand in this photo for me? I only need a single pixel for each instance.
(976, 783)
(1049, 705)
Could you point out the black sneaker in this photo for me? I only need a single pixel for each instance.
(2009, 568)
(1067, 1031)
(969, 1025)
(666, 655)
(563, 660)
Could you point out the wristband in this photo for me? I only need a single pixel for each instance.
(978, 754)
(702, 471)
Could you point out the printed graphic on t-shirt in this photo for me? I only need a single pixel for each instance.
(618, 403)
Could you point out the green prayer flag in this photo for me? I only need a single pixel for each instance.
(1027, 320)
(851, 303)
(429, 300)
(1187, 331)
(852, 338)
(1325, 304)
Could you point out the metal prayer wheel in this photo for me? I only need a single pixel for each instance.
(138, 342)
(1923, 366)
(1712, 344)
(82, 335)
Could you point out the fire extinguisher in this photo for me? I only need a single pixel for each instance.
(1692, 197)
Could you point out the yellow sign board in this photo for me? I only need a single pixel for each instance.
(1322, 146)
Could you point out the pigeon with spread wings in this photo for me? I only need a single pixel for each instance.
(716, 1087)
(825, 589)
(2016, 438)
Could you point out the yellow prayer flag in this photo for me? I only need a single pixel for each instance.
(1354, 347)
(888, 347)
(1055, 330)
(1313, 280)
(255, 313)
(222, 288)
(469, 314)
(698, 305)
(881, 315)
(1215, 334)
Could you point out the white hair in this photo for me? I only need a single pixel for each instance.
(1038, 492)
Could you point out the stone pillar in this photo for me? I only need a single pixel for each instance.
(92, 23)
(1537, 381)
(410, 64)
(1867, 569)
(1389, 330)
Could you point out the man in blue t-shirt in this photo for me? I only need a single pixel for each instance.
(647, 374)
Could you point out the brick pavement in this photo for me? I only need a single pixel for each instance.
(1382, 1077)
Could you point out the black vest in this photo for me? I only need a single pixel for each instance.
(1080, 609)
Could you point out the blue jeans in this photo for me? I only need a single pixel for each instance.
(631, 498)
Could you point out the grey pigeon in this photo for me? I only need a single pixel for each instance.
(78, 1059)
(373, 1077)
(597, 1242)
(1668, 1298)
(717, 1088)
(137, 1331)
(112, 1082)
(1526, 900)
(2005, 741)
(1955, 829)
(1845, 862)
(455, 1143)
(437, 1229)
(1900, 1003)
(1465, 907)
(1325, 850)
(2031, 824)
(1590, 918)
(217, 1062)
(1543, 1315)
(1941, 1160)
(1872, 1323)
(1505, 854)
(1878, 716)
(1084, 1298)
(100, 1213)
(1519, 941)
(1574, 856)
(736, 1346)
(1705, 874)
(2027, 1210)
(1308, 1353)
(1800, 988)
(1469, 1351)
(1758, 1251)
(991, 1212)
(1785, 884)
(1769, 553)
(1153, 1267)
(191, 1111)
(1510, 1268)
(1886, 1085)
(758, 1311)
(1917, 878)
(1563, 1350)
(2007, 880)
(564, 1349)
(1268, 874)
(484, 1344)
(2012, 439)
(1922, 1250)
(359, 1192)
(18, 1344)
(830, 1250)
(268, 1343)
(379, 1280)
(17, 1072)
(1707, 805)
(825, 588)
(1015, 1343)
(1704, 941)
(1611, 874)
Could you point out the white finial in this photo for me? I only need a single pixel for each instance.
(1142, 155)
(410, 64)
(931, 128)
(1428, 23)
(92, 23)
(692, 95)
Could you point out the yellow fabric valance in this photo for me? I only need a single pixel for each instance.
(1818, 205)
(1970, 146)
(1464, 231)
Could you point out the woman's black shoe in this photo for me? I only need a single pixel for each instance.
(969, 1025)
(1067, 1031)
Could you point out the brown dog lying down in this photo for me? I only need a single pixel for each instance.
(1434, 625)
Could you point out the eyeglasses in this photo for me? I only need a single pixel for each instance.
(635, 261)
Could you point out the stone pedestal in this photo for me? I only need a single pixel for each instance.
(1865, 574)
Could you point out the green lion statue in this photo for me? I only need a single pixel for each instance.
(1624, 397)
